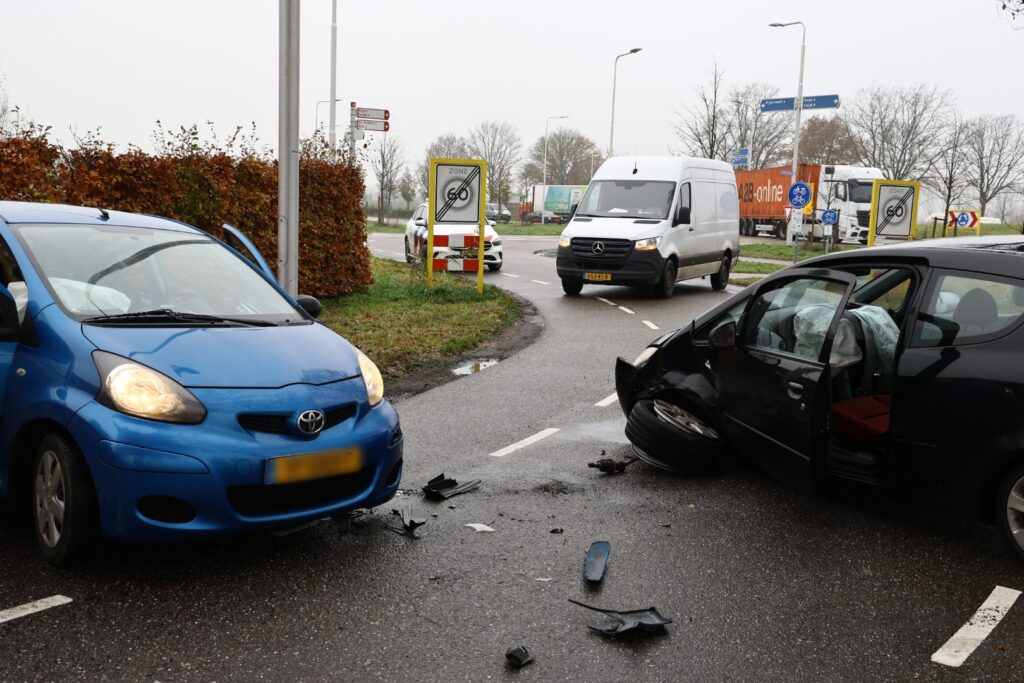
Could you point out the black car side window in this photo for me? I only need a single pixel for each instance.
(968, 308)
(731, 314)
(794, 317)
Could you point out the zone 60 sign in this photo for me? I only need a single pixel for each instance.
(457, 186)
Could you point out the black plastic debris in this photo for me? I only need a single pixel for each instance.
(518, 657)
(595, 562)
(649, 620)
(443, 488)
(557, 530)
(611, 466)
(412, 519)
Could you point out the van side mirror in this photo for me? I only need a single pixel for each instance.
(723, 336)
(8, 316)
(309, 304)
(682, 215)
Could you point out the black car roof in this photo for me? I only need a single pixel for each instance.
(996, 254)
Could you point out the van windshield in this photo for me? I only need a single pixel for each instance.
(628, 199)
(96, 271)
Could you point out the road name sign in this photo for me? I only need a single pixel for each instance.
(810, 102)
(373, 125)
(893, 210)
(799, 195)
(368, 113)
(963, 219)
(829, 217)
(456, 195)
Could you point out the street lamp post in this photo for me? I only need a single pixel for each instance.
(544, 196)
(615, 76)
(316, 113)
(334, 66)
(794, 215)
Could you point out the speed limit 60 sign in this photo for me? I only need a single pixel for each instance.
(457, 190)
(893, 210)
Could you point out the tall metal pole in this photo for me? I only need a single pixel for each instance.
(796, 215)
(615, 78)
(288, 146)
(544, 199)
(334, 67)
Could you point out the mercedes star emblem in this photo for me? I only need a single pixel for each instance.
(597, 248)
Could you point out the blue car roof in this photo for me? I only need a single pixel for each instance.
(35, 212)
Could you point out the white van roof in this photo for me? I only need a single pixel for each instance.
(656, 168)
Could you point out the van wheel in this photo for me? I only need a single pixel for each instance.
(720, 279)
(572, 286)
(1009, 505)
(65, 514)
(667, 284)
(671, 438)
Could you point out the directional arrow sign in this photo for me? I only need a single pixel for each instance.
(367, 113)
(810, 102)
(963, 219)
(379, 126)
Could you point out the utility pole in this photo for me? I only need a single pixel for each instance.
(334, 67)
(288, 146)
(796, 215)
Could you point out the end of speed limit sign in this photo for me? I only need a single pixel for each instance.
(893, 210)
(457, 190)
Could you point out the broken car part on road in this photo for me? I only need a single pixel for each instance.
(649, 620)
(596, 561)
(443, 488)
(612, 466)
(518, 657)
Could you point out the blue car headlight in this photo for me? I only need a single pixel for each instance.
(371, 378)
(134, 389)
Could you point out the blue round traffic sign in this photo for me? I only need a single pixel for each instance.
(799, 194)
(830, 217)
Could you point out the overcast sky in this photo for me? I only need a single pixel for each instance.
(446, 66)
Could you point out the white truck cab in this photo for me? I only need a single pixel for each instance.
(652, 221)
(848, 190)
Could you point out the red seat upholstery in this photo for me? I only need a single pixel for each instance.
(862, 420)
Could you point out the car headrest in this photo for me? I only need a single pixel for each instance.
(947, 303)
(977, 308)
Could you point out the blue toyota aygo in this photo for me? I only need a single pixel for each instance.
(161, 386)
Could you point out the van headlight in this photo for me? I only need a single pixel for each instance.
(564, 240)
(649, 244)
(371, 378)
(134, 389)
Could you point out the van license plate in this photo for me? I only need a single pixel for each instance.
(294, 468)
(598, 277)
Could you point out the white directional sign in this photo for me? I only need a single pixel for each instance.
(368, 113)
(379, 126)
(457, 193)
(893, 210)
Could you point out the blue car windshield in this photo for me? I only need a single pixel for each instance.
(96, 271)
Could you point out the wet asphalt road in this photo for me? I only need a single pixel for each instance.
(762, 583)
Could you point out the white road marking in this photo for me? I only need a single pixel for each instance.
(540, 282)
(650, 324)
(958, 648)
(396, 253)
(601, 298)
(33, 607)
(625, 310)
(605, 402)
(509, 275)
(525, 442)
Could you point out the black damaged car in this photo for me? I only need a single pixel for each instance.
(900, 367)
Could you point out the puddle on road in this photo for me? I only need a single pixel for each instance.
(550, 253)
(475, 367)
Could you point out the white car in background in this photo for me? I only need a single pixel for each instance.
(416, 241)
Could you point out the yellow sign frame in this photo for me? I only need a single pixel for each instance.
(481, 213)
(876, 188)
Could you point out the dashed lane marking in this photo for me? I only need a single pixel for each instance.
(509, 275)
(601, 298)
(33, 607)
(605, 402)
(958, 648)
(650, 324)
(625, 310)
(524, 443)
(540, 282)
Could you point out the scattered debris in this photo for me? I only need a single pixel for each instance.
(557, 530)
(692, 506)
(412, 519)
(518, 657)
(288, 531)
(442, 488)
(667, 525)
(545, 579)
(621, 622)
(479, 527)
(611, 466)
(595, 562)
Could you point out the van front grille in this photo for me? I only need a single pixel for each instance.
(600, 251)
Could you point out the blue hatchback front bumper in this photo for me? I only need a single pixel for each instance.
(157, 481)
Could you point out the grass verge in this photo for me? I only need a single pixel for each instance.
(756, 267)
(502, 229)
(743, 281)
(784, 252)
(402, 324)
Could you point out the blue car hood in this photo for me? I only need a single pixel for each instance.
(244, 357)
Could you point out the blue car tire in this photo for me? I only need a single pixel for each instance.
(64, 510)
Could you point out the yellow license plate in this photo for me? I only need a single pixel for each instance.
(292, 468)
(598, 277)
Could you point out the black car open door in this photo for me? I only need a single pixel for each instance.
(774, 379)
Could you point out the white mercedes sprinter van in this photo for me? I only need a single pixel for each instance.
(650, 222)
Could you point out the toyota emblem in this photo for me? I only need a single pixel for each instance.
(310, 422)
(597, 248)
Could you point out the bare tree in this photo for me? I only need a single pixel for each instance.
(407, 188)
(948, 176)
(6, 111)
(447, 146)
(498, 143)
(1006, 205)
(571, 156)
(899, 130)
(386, 163)
(995, 152)
(703, 128)
(825, 140)
(764, 133)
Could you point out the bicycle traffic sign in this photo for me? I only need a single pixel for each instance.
(799, 194)
(829, 217)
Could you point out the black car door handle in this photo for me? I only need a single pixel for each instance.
(796, 390)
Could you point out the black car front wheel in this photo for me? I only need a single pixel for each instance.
(64, 507)
(669, 437)
(1010, 508)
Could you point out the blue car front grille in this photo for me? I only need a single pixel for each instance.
(281, 423)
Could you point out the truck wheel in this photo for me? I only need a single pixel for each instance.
(1009, 506)
(671, 438)
(64, 510)
(666, 286)
(720, 279)
(572, 286)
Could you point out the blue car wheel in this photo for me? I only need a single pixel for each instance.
(64, 502)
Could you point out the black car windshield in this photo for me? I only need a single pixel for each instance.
(95, 271)
(860, 192)
(628, 199)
